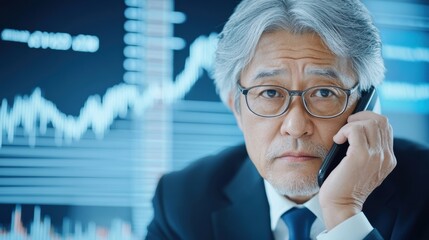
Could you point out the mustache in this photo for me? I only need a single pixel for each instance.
(296, 145)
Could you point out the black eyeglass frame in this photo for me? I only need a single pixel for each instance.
(299, 93)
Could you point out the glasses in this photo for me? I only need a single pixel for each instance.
(319, 101)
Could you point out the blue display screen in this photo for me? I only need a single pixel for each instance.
(99, 99)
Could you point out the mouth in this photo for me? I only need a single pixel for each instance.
(296, 157)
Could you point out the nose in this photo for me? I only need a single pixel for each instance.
(296, 121)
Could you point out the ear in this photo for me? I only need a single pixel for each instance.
(237, 115)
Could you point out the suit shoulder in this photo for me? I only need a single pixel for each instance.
(224, 160)
(191, 195)
(401, 144)
(210, 173)
(412, 166)
(411, 154)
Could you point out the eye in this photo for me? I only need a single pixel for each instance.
(271, 93)
(323, 92)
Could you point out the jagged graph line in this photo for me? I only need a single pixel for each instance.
(98, 113)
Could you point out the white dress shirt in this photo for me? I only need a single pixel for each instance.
(356, 227)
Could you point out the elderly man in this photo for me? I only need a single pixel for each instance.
(292, 72)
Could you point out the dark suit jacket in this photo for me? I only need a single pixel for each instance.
(223, 197)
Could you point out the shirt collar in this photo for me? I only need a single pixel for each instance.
(279, 205)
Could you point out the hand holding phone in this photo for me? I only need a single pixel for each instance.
(338, 151)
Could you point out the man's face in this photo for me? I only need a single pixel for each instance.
(288, 150)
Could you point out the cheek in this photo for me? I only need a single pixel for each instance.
(258, 136)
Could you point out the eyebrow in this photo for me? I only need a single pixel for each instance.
(269, 73)
(327, 72)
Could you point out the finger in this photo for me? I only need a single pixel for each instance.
(390, 162)
(358, 127)
(372, 126)
(379, 133)
(374, 135)
(359, 116)
(355, 134)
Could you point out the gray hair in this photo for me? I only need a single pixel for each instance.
(345, 26)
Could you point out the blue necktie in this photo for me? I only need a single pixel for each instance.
(299, 221)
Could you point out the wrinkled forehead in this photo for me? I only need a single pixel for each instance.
(327, 72)
(275, 46)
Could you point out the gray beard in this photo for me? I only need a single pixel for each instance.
(306, 186)
(294, 187)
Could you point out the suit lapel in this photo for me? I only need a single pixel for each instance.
(247, 215)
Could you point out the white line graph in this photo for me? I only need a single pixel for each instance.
(34, 112)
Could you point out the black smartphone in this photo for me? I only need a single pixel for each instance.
(338, 151)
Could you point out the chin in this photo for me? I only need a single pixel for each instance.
(294, 184)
